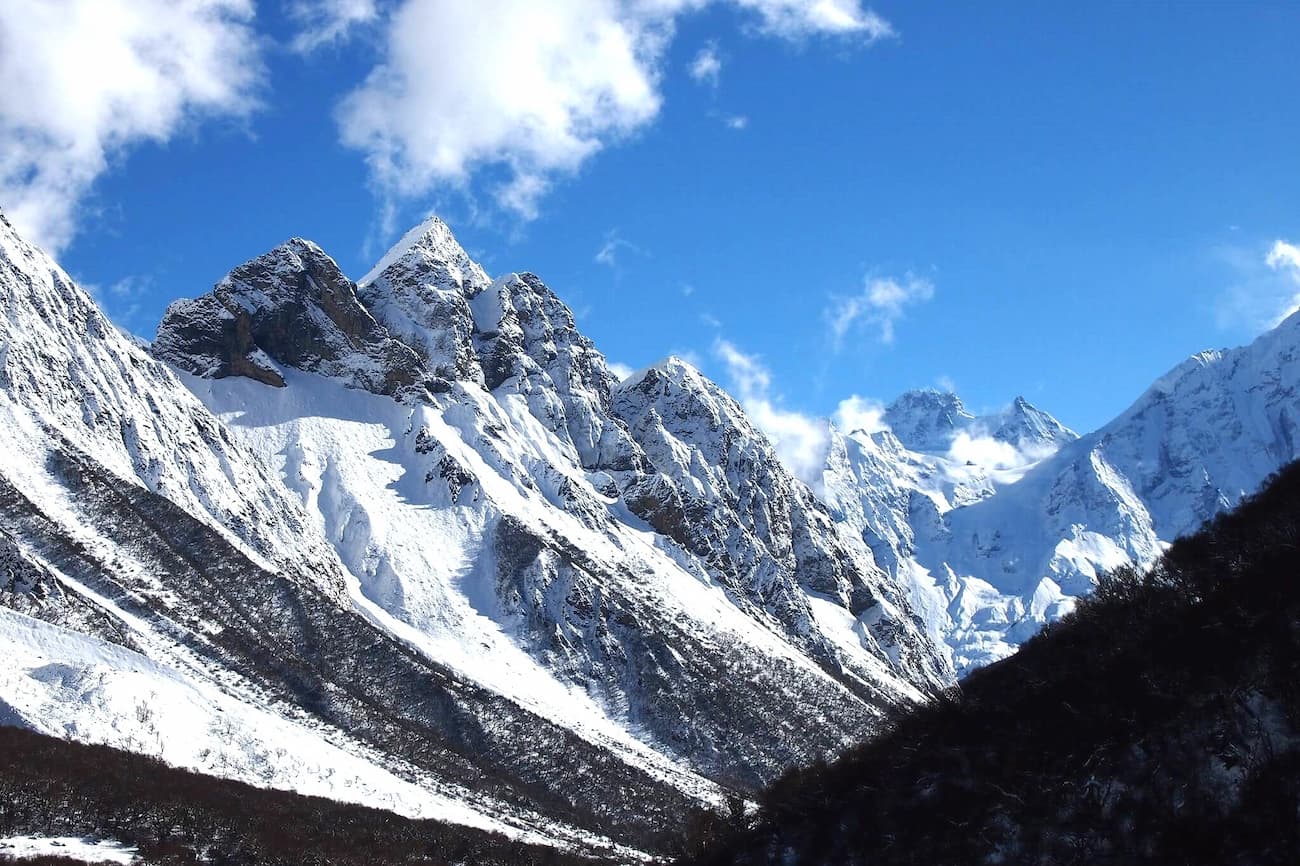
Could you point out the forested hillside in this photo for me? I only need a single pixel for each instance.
(52, 787)
(1159, 723)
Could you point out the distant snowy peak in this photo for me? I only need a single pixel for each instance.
(928, 420)
(1027, 427)
(1001, 565)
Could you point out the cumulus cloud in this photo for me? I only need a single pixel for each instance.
(736, 121)
(879, 306)
(706, 68)
(523, 93)
(1284, 256)
(1284, 259)
(83, 80)
(327, 22)
(801, 441)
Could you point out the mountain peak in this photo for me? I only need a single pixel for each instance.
(430, 245)
(290, 306)
(1027, 427)
(927, 419)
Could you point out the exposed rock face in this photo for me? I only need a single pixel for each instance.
(70, 382)
(292, 307)
(528, 344)
(721, 493)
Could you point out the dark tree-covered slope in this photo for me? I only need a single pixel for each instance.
(1159, 723)
(55, 787)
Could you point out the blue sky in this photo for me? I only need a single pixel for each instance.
(1009, 198)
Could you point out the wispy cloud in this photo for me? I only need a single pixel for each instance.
(860, 413)
(323, 23)
(608, 254)
(84, 80)
(1266, 288)
(438, 113)
(800, 441)
(879, 306)
(122, 300)
(1284, 258)
(706, 68)
(622, 371)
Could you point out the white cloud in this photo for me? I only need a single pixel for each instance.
(801, 442)
(736, 121)
(860, 413)
(1267, 287)
(987, 452)
(1284, 257)
(799, 19)
(621, 371)
(608, 254)
(706, 68)
(525, 92)
(82, 80)
(326, 22)
(879, 305)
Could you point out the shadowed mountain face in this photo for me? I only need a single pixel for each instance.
(291, 307)
(410, 545)
(1160, 723)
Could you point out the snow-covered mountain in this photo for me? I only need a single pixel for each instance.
(998, 523)
(410, 543)
(931, 421)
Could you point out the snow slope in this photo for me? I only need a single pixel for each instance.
(70, 847)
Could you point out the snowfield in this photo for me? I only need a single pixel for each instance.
(71, 847)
